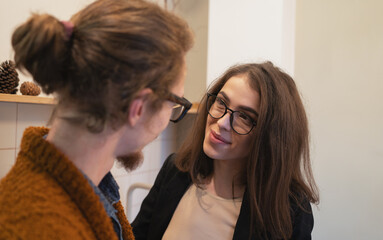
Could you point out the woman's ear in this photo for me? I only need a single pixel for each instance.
(138, 106)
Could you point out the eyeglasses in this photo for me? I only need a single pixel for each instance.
(180, 109)
(240, 122)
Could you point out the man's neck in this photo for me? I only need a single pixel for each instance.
(93, 154)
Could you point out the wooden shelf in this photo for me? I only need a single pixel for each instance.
(47, 100)
(194, 108)
(26, 99)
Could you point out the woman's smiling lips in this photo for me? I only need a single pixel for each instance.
(214, 137)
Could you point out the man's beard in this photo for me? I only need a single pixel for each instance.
(132, 161)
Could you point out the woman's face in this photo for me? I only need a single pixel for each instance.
(221, 142)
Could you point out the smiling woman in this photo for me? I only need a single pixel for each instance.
(244, 171)
(220, 142)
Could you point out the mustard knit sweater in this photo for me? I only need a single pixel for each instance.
(44, 196)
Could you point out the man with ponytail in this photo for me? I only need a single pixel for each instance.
(117, 69)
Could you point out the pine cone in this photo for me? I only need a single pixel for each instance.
(30, 88)
(9, 79)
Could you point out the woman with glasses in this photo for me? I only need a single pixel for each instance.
(244, 171)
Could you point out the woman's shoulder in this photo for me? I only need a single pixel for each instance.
(300, 203)
(169, 169)
(302, 217)
(169, 163)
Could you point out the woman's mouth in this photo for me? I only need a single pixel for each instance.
(214, 137)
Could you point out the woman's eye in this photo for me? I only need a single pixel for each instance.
(244, 116)
(219, 102)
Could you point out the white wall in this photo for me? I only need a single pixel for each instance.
(14, 118)
(250, 31)
(339, 56)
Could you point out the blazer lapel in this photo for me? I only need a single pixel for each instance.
(242, 228)
(169, 197)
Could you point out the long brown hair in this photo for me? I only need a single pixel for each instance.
(278, 167)
(114, 49)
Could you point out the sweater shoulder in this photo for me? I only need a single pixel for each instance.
(34, 206)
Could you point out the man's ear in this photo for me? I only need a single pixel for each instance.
(138, 106)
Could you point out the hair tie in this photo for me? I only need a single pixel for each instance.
(68, 28)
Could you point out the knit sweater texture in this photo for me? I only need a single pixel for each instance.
(45, 196)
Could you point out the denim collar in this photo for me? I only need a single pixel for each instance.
(107, 190)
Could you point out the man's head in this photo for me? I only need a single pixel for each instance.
(116, 51)
(145, 124)
(117, 65)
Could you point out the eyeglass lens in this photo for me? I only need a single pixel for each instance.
(177, 112)
(240, 122)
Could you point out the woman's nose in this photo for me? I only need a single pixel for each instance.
(224, 122)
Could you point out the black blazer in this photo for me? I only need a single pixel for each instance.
(159, 205)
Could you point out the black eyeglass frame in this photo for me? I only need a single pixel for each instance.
(181, 101)
(231, 113)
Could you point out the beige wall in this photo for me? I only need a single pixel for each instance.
(196, 14)
(339, 56)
